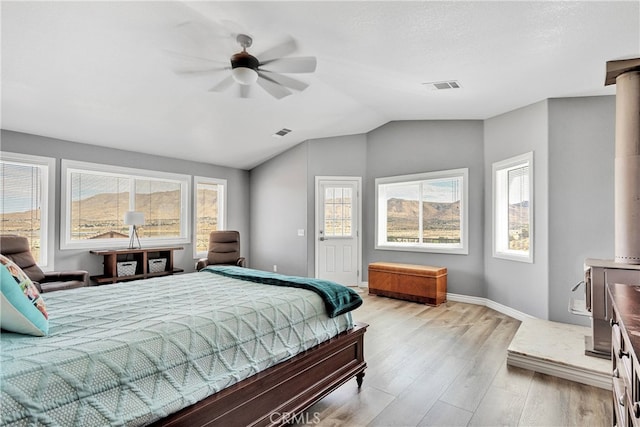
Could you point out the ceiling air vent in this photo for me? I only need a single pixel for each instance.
(449, 84)
(282, 132)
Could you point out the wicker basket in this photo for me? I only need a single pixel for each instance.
(157, 265)
(126, 268)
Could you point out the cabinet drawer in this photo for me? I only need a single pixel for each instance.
(619, 407)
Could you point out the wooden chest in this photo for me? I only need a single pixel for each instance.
(420, 283)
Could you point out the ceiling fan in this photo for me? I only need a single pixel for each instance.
(267, 70)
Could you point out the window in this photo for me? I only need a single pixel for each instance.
(96, 198)
(209, 212)
(513, 208)
(27, 205)
(338, 221)
(423, 212)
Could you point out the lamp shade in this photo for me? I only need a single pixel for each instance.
(244, 76)
(134, 218)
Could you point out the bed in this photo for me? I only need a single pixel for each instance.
(228, 347)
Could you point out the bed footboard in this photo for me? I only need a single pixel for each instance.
(277, 394)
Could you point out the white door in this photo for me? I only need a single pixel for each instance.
(337, 229)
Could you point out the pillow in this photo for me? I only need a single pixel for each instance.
(22, 309)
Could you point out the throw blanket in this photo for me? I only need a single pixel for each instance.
(337, 299)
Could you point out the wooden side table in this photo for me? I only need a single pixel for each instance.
(137, 260)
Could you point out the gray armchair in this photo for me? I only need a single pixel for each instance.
(224, 248)
(16, 248)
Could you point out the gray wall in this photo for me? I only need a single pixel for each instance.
(397, 148)
(572, 140)
(339, 156)
(283, 200)
(521, 286)
(237, 192)
(407, 147)
(581, 202)
(573, 144)
(278, 211)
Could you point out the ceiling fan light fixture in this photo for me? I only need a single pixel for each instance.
(244, 68)
(270, 75)
(244, 76)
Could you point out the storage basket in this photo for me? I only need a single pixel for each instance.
(126, 268)
(157, 265)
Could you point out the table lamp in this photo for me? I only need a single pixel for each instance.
(134, 219)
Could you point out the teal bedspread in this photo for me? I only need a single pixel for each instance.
(131, 353)
(337, 299)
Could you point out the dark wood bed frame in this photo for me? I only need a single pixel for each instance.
(276, 395)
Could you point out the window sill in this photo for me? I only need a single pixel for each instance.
(514, 257)
(441, 250)
(120, 243)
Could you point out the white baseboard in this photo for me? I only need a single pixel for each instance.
(489, 303)
(479, 301)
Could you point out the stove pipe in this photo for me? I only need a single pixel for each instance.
(626, 75)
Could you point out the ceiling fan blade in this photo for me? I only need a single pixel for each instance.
(287, 81)
(300, 64)
(201, 72)
(203, 34)
(194, 57)
(222, 85)
(285, 48)
(273, 88)
(202, 29)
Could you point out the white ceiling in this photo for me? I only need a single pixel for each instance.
(98, 72)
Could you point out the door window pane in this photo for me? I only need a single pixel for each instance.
(337, 212)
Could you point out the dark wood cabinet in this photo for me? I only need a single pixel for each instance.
(130, 264)
(625, 347)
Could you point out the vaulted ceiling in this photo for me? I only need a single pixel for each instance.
(108, 73)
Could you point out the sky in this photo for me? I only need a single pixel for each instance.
(445, 190)
(18, 184)
(85, 185)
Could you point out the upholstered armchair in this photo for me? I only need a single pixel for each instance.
(16, 248)
(224, 248)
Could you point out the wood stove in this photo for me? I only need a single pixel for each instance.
(625, 267)
(597, 274)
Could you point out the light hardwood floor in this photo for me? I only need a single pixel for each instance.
(446, 366)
